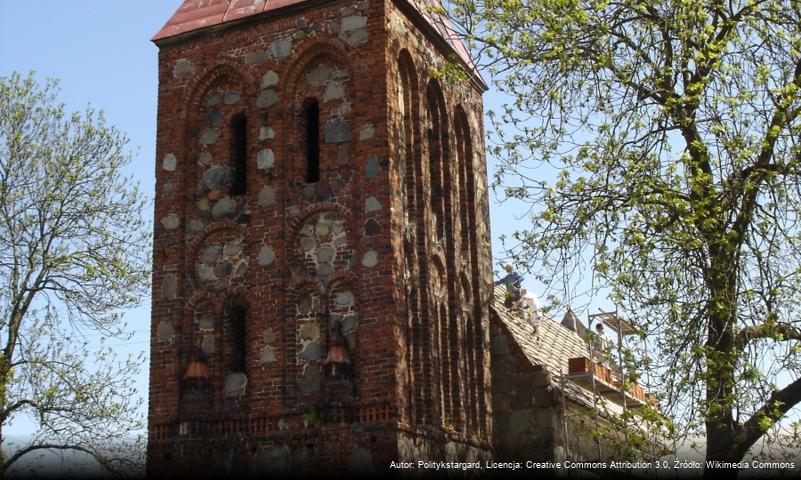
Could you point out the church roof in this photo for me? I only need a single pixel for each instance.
(195, 15)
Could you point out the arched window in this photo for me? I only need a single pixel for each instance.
(239, 154)
(237, 352)
(310, 130)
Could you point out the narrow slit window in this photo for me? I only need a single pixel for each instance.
(311, 139)
(239, 154)
(238, 351)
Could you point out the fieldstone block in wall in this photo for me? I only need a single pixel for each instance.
(168, 188)
(257, 58)
(165, 332)
(266, 133)
(269, 79)
(169, 162)
(211, 254)
(310, 381)
(266, 196)
(267, 355)
(344, 299)
(214, 98)
(281, 48)
(371, 205)
(183, 68)
(310, 331)
(370, 259)
(205, 273)
(325, 254)
(333, 91)
(353, 22)
(223, 207)
(350, 323)
(357, 37)
(367, 132)
(169, 287)
(205, 322)
(230, 98)
(214, 117)
(267, 98)
(319, 75)
(195, 225)
(311, 353)
(171, 221)
(269, 336)
(360, 460)
(372, 167)
(235, 384)
(265, 159)
(266, 256)
(232, 248)
(216, 177)
(209, 136)
(205, 158)
(337, 130)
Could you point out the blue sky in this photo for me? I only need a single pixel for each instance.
(102, 55)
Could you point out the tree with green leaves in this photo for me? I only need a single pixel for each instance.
(74, 254)
(673, 129)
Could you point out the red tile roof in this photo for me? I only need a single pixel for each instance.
(199, 14)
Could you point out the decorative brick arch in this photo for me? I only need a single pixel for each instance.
(222, 68)
(193, 249)
(312, 51)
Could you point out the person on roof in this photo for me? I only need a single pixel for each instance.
(513, 282)
(530, 306)
(602, 345)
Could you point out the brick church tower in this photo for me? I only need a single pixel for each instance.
(322, 268)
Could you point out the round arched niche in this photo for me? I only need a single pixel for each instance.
(220, 260)
(323, 247)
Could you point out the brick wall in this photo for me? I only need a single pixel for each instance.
(302, 259)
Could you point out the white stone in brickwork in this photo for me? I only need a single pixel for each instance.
(270, 79)
(370, 259)
(209, 136)
(233, 248)
(353, 22)
(265, 159)
(318, 75)
(372, 205)
(169, 162)
(169, 287)
(333, 91)
(266, 256)
(235, 385)
(171, 221)
(344, 299)
(267, 355)
(281, 48)
(183, 68)
(165, 332)
(223, 207)
(357, 37)
(266, 133)
(266, 196)
(367, 132)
